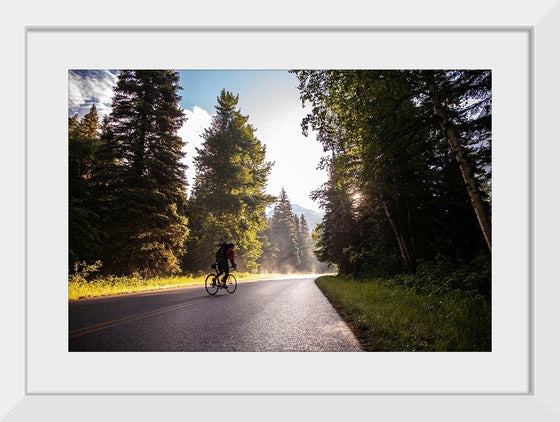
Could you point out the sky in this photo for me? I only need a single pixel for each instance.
(269, 97)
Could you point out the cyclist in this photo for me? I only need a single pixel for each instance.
(224, 254)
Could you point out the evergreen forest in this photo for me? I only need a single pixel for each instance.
(129, 213)
(408, 154)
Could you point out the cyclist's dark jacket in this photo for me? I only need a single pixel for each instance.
(223, 261)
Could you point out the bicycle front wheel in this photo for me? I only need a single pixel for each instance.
(211, 284)
(231, 283)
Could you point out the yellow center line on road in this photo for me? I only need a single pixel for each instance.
(109, 324)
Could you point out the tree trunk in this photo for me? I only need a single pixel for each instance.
(412, 244)
(405, 256)
(466, 171)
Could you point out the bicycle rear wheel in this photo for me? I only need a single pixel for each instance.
(231, 283)
(211, 284)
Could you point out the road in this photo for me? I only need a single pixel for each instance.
(279, 315)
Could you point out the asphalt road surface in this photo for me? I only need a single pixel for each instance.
(289, 314)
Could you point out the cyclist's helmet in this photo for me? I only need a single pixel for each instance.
(231, 244)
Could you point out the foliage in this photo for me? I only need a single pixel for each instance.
(304, 243)
(288, 244)
(85, 234)
(82, 271)
(395, 202)
(395, 194)
(445, 275)
(139, 177)
(228, 197)
(283, 236)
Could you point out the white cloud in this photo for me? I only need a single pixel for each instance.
(90, 87)
(75, 96)
(191, 133)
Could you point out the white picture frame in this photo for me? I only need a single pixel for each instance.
(540, 22)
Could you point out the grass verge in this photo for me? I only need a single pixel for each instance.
(79, 288)
(388, 317)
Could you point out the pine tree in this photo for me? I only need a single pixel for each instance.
(337, 236)
(299, 240)
(284, 235)
(140, 179)
(305, 245)
(267, 261)
(84, 233)
(73, 123)
(89, 125)
(228, 197)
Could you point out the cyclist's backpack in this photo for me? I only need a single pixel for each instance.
(221, 252)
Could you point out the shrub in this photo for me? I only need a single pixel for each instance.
(82, 271)
(445, 275)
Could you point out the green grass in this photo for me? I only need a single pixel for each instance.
(79, 288)
(389, 317)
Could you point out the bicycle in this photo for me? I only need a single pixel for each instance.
(213, 282)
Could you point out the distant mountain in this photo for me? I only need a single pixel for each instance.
(312, 217)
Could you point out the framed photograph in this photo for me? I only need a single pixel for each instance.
(515, 380)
